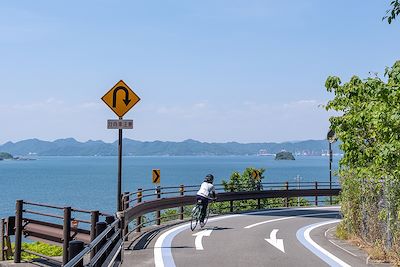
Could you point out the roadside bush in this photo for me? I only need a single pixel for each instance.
(368, 126)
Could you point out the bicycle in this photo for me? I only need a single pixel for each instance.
(196, 214)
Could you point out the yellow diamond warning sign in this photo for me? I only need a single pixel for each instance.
(120, 98)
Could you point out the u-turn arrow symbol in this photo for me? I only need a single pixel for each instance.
(126, 100)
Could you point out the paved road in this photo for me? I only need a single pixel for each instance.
(286, 237)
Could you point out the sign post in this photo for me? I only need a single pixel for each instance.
(120, 99)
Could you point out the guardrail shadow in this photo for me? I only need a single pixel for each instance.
(308, 212)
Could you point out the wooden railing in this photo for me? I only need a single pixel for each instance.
(142, 202)
(41, 229)
(103, 240)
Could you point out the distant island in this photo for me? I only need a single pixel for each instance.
(71, 147)
(284, 155)
(5, 155)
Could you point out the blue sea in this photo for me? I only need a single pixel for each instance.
(91, 182)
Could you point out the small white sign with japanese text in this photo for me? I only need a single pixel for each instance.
(119, 124)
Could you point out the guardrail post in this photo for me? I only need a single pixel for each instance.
(126, 206)
(94, 218)
(100, 227)
(120, 256)
(258, 200)
(316, 197)
(109, 221)
(75, 247)
(139, 219)
(287, 199)
(66, 233)
(18, 231)
(158, 213)
(182, 192)
(2, 258)
(231, 202)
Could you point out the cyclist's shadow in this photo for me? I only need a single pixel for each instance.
(214, 228)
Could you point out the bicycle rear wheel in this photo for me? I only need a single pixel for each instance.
(195, 217)
(202, 224)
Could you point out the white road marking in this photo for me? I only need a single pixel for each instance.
(278, 243)
(334, 243)
(163, 257)
(303, 235)
(199, 238)
(325, 234)
(162, 248)
(287, 218)
(342, 248)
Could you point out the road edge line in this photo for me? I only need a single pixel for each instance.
(303, 235)
(162, 247)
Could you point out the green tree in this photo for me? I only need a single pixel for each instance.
(369, 129)
(241, 182)
(244, 181)
(393, 12)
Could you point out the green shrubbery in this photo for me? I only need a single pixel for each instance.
(39, 247)
(245, 182)
(369, 129)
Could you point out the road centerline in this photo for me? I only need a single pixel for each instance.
(287, 218)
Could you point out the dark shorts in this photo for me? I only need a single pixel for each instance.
(204, 200)
(204, 204)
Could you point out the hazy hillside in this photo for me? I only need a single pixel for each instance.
(71, 147)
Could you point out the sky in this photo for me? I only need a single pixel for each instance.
(213, 71)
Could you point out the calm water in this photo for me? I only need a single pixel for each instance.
(90, 182)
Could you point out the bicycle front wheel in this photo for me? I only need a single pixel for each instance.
(195, 217)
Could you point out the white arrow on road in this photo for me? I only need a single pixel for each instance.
(199, 237)
(278, 243)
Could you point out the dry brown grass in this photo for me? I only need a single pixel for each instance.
(376, 252)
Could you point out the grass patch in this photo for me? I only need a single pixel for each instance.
(39, 247)
(341, 232)
(376, 252)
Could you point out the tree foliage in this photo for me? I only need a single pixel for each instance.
(369, 129)
(246, 182)
(392, 13)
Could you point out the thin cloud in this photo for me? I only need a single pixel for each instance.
(90, 105)
(303, 104)
(200, 105)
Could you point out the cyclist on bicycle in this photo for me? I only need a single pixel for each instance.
(203, 195)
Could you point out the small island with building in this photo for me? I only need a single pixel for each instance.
(284, 155)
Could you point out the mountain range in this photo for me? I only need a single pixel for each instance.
(72, 147)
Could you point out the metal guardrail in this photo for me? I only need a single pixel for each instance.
(153, 200)
(106, 238)
(107, 246)
(40, 229)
